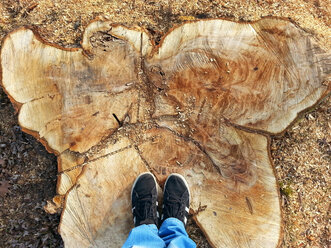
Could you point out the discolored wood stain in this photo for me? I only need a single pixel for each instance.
(201, 104)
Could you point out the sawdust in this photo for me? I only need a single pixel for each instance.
(302, 158)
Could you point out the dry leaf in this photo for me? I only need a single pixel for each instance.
(4, 188)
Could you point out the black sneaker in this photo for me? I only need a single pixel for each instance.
(176, 198)
(144, 200)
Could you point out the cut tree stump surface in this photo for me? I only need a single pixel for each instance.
(202, 103)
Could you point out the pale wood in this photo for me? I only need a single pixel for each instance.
(97, 211)
(69, 168)
(69, 90)
(197, 104)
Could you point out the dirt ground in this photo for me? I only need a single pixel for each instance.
(301, 156)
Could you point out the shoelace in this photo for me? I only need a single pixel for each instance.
(144, 208)
(174, 207)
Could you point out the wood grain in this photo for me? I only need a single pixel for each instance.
(202, 103)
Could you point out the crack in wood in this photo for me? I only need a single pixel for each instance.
(42, 97)
(95, 159)
(143, 159)
(196, 143)
(135, 144)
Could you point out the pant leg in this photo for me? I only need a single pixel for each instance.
(174, 234)
(144, 236)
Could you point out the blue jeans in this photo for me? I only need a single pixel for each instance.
(172, 234)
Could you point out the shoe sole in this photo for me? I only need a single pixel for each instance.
(185, 182)
(144, 173)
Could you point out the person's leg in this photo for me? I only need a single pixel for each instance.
(176, 202)
(145, 215)
(173, 233)
(144, 236)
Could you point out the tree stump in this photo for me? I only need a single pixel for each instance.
(201, 103)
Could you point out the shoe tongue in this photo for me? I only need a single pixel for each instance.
(142, 190)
